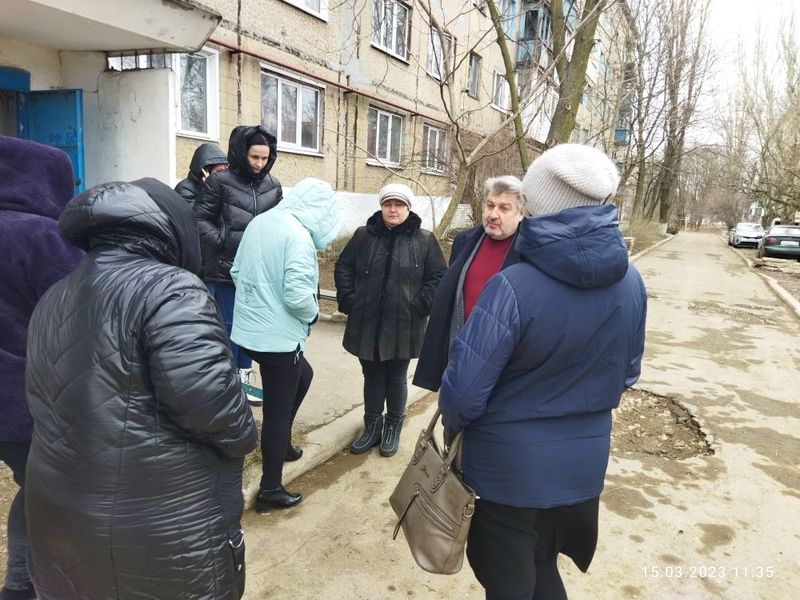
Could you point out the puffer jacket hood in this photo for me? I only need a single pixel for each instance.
(37, 179)
(206, 155)
(144, 217)
(581, 247)
(313, 203)
(237, 150)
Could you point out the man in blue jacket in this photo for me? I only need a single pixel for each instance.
(549, 348)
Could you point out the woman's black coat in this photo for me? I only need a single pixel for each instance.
(385, 282)
(230, 200)
(140, 422)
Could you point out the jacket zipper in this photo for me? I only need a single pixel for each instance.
(255, 202)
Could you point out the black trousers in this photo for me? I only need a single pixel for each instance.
(513, 551)
(286, 377)
(385, 382)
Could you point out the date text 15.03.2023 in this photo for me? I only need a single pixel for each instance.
(708, 572)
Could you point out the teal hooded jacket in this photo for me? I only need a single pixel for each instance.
(275, 270)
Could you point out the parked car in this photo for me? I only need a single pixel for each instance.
(746, 234)
(780, 241)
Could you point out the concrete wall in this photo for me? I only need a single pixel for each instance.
(135, 126)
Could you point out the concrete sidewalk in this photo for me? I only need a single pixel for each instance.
(331, 415)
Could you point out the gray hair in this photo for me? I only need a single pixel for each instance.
(505, 184)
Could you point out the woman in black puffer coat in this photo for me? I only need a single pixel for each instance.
(228, 202)
(386, 277)
(133, 485)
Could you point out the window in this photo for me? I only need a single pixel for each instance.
(292, 110)
(384, 135)
(390, 25)
(571, 15)
(197, 92)
(538, 25)
(501, 96)
(434, 149)
(436, 65)
(474, 75)
(508, 16)
(318, 8)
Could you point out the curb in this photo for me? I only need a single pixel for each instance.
(319, 446)
(640, 254)
(776, 287)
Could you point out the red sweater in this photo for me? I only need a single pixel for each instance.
(486, 262)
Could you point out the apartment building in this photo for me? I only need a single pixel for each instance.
(358, 92)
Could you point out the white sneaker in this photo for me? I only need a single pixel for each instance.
(246, 376)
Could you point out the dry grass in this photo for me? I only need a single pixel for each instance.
(645, 234)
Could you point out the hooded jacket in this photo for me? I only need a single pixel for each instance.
(385, 282)
(206, 155)
(138, 412)
(230, 200)
(543, 358)
(35, 183)
(276, 272)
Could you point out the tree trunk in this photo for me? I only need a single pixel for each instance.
(572, 73)
(461, 184)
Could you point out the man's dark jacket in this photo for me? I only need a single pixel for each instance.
(206, 155)
(436, 345)
(230, 200)
(36, 182)
(140, 422)
(385, 281)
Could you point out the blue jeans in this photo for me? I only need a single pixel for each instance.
(15, 455)
(224, 294)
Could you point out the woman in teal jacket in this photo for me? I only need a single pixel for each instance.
(276, 276)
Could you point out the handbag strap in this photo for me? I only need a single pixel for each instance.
(454, 449)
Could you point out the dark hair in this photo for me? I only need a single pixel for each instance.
(257, 139)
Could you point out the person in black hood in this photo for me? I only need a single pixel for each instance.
(133, 484)
(386, 277)
(207, 160)
(227, 203)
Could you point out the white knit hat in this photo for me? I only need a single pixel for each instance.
(567, 176)
(396, 191)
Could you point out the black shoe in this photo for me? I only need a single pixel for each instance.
(276, 498)
(391, 436)
(371, 436)
(293, 453)
(26, 594)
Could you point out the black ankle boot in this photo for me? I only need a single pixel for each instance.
(293, 453)
(371, 436)
(391, 436)
(278, 497)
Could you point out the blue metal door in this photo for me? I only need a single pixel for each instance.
(55, 118)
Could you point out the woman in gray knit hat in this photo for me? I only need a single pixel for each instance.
(534, 374)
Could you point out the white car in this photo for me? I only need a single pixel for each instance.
(746, 234)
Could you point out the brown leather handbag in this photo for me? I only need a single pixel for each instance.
(433, 504)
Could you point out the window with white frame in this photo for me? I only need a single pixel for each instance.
(434, 149)
(197, 93)
(318, 8)
(436, 62)
(292, 110)
(384, 135)
(474, 75)
(501, 95)
(391, 23)
(197, 103)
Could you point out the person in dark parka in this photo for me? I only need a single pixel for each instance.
(534, 374)
(140, 423)
(36, 182)
(476, 255)
(207, 160)
(227, 203)
(385, 279)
